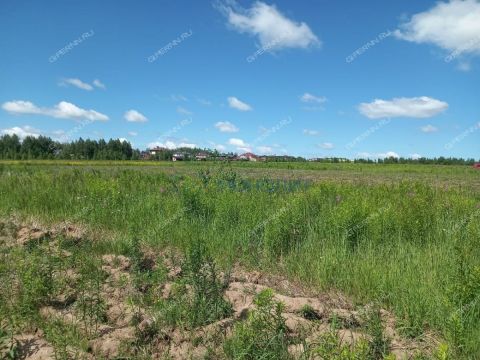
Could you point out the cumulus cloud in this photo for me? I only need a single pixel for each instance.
(219, 147)
(21, 131)
(226, 126)
(237, 142)
(171, 145)
(63, 110)
(240, 145)
(309, 98)
(134, 116)
(77, 83)
(244, 148)
(416, 107)
(99, 84)
(273, 29)
(429, 129)
(388, 154)
(326, 146)
(452, 26)
(415, 156)
(235, 103)
(310, 132)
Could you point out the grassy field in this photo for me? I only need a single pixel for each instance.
(405, 237)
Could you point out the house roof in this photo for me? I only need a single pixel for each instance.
(249, 154)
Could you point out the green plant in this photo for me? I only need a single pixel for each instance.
(90, 304)
(8, 348)
(196, 298)
(328, 346)
(379, 343)
(263, 335)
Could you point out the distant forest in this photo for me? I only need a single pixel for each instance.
(42, 147)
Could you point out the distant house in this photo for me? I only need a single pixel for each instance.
(201, 156)
(178, 157)
(156, 150)
(248, 156)
(476, 165)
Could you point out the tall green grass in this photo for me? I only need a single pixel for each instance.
(411, 246)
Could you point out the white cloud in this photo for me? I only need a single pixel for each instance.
(132, 133)
(326, 146)
(310, 132)
(183, 111)
(273, 29)
(235, 103)
(237, 142)
(240, 145)
(99, 84)
(219, 147)
(388, 154)
(415, 156)
(226, 126)
(172, 145)
(265, 149)
(22, 132)
(77, 83)
(416, 107)
(134, 116)
(453, 26)
(309, 98)
(429, 129)
(367, 155)
(123, 140)
(244, 148)
(63, 110)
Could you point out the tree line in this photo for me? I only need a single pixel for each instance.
(42, 147)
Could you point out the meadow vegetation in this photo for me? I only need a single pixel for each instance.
(411, 247)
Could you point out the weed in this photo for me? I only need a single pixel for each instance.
(263, 335)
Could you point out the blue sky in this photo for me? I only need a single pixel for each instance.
(310, 78)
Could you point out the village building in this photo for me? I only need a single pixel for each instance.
(248, 157)
(156, 150)
(201, 156)
(178, 157)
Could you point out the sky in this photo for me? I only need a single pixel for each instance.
(305, 78)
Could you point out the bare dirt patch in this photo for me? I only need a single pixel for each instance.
(136, 303)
